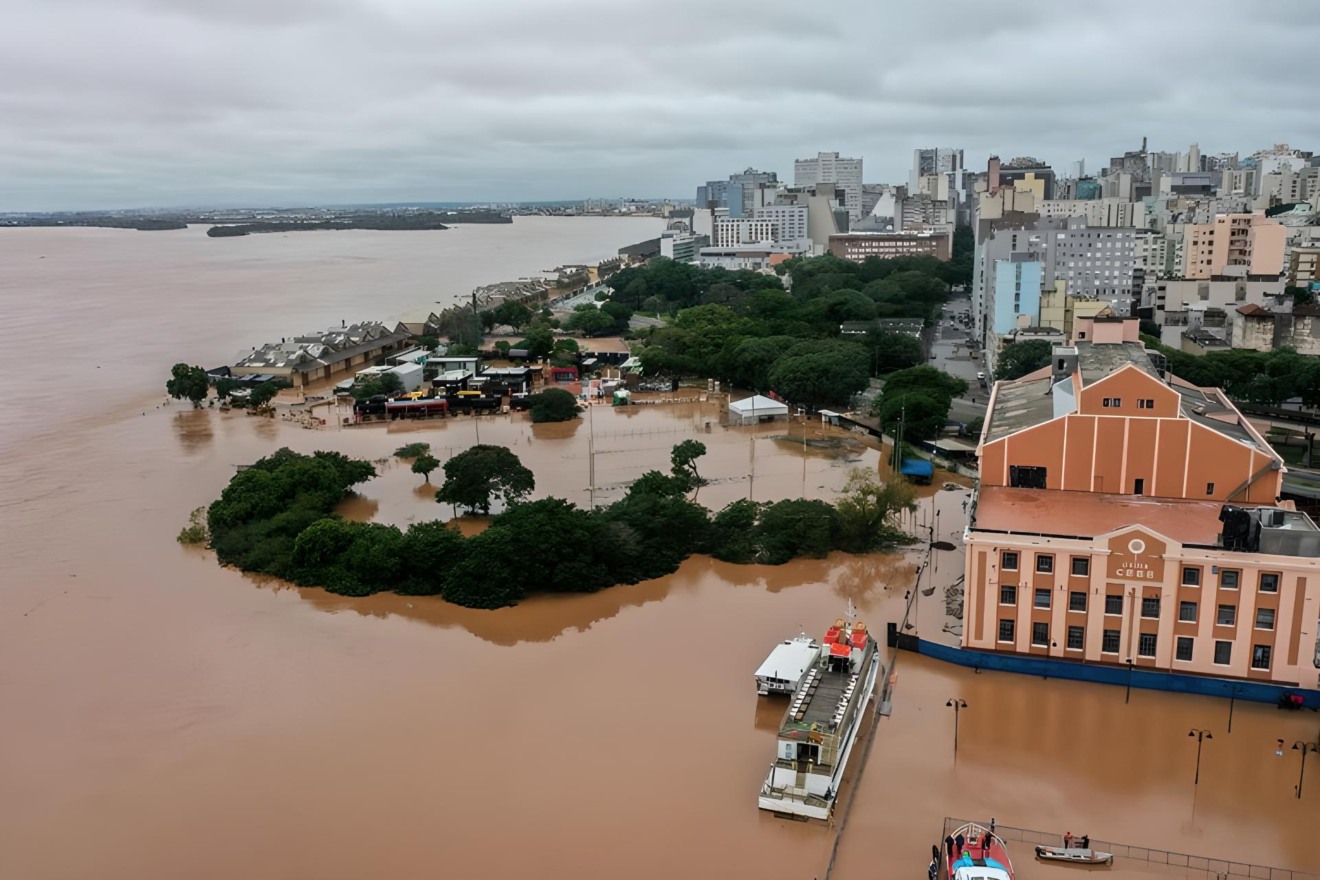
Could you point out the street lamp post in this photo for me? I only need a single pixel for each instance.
(957, 705)
(1201, 736)
(1305, 748)
(1128, 696)
(1232, 698)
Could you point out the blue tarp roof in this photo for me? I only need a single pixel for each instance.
(917, 467)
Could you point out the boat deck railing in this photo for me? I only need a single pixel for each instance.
(1199, 866)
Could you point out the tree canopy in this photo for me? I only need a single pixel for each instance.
(1017, 359)
(483, 474)
(553, 405)
(920, 397)
(188, 383)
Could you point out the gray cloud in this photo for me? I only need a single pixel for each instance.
(176, 102)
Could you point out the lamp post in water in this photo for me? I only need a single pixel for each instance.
(957, 705)
(1305, 748)
(1201, 736)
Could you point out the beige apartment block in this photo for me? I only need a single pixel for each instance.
(1252, 241)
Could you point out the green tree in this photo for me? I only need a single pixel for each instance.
(188, 383)
(923, 415)
(263, 394)
(540, 341)
(1017, 359)
(412, 450)
(792, 528)
(553, 405)
(926, 379)
(482, 474)
(893, 351)
(429, 342)
(424, 464)
(868, 512)
(428, 552)
(224, 386)
(513, 314)
(590, 321)
(821, 373)
(734, 532)
(683, 459)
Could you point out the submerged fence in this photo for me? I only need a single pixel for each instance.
(1220, 869)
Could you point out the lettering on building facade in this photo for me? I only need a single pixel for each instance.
(1136, 556)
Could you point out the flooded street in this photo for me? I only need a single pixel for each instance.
(164, 717)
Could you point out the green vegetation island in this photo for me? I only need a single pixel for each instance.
(376, 222)
(277, 517)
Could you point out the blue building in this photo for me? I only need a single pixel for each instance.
(1016, 291)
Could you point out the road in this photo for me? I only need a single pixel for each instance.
(949, 344)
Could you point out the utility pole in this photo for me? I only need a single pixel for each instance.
(591, 454)
(957, 705)
(1201, 736)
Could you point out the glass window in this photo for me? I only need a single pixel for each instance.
(1006, 628)
(1146, 645)
(1008, 560)
(1228, 578)
(1081, 566)
(1040, 634)
(1114, 604)
(1150, 607)
(1008, 595)
(1076, 638)
(1209, 488)
(1260, 656)
(1227, 615)
(1183, 649)
(1042, 598)
(1191, 577)
(1045, 564)
(1223, 653)
(1187, 612)
(1077, 600)
(1269, 583)
(1264, 618)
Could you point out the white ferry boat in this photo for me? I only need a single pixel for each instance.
(788, 663)
(820, 727)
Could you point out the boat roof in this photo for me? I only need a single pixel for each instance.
(790, 659)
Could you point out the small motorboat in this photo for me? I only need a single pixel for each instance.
(1074, 854)
(977, 854)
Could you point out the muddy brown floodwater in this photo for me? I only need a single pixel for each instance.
(164, 717)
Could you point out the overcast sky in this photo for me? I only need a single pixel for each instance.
(121, 103)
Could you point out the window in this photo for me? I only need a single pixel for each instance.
(1044, 564)
(1269, 583)
(1228, 579)
(1077, 600)
(1187, 612)
(1109, 642)
(1081, 566)
(1040, 634)
(1145, 403)
(1026, 477)
(1006, 628)
(1146, 645)
(1260, 656)
(1183, 648)
(1008, 595)
(1042, 597)
(1264, 618)
(1076, 638)
(1209, 488)
(1008, 560)
(1114, 604)
(1191, 577)
(1223, 653)
(1150, 607)
(1227, 615)
(1112, 401)
(1138, 486)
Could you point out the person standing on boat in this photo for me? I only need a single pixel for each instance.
(932, 870)
(1067, 840)
(958, 843)
(1086, 841)
(948, 845)
(992, 826)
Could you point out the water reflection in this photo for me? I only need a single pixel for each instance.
(193, 430)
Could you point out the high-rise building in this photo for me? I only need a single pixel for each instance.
(741, 194)
(830, 168)
(1253, 242)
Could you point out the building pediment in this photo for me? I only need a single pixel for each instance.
(1136, 554)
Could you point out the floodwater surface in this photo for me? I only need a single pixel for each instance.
(167, 717)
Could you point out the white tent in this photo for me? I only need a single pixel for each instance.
(753, 409)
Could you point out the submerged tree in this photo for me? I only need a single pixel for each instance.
(483, 474)
(188, 383)
(424, 464)
(683, 458)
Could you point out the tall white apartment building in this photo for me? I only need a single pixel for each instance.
(734, 231)
(791, 220)
(830, 168)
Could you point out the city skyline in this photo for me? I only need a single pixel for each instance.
(156, 103)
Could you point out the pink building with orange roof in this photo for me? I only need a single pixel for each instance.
(1125, 516)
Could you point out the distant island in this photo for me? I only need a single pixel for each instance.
(227, 223)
